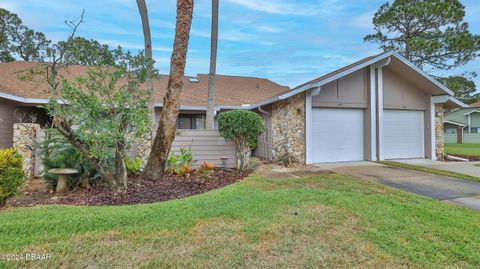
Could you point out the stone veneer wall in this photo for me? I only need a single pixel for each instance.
(288, 130)
(24, 141)
(439, 132)
(143, 146)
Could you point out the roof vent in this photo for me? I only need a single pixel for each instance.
(193, 79)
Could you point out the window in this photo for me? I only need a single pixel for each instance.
(450, 130)
(191, 121)
(475, 130)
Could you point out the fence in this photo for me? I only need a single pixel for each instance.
(468, 138)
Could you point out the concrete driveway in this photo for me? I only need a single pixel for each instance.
(461, 192)
(466, 168)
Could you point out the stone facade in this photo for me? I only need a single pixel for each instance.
(288, 130)
(142, 148)
(25, 142)
(439, 132)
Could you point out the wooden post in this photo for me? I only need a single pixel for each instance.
(459, 135)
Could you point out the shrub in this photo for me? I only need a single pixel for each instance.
(243, 127)
(12, 175)
(180, 164)
(57, 152)
(205, 170)
(133, 165)
(207, 166)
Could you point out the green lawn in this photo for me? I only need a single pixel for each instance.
(324, 221)
(463, 149)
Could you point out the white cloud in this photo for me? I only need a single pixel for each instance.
(275, 7)
(362, 21)
(234, 35)
(269, 29)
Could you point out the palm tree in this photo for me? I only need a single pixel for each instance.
(209, 122)
(142, 8)
(165, 134)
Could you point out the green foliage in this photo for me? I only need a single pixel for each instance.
(108, 106)
(11, 173)
(88, 52)
(205, 171)
(180, 164)
(243, 127)
(240, 124)
(133, 165)
(463, 87)
(17, 40)
(427, 32)
(57, 152)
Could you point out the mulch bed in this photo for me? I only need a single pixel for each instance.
(139, 191)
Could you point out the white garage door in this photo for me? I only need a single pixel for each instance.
(337, 135)
(403, 134)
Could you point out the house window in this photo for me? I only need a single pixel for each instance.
(191, 121)
(475, 130)
(450, 131)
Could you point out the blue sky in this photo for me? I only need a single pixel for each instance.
(288, 41)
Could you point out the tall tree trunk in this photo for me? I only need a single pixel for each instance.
(119, 181)
(142, 8)
(155, 167)
(210, 121)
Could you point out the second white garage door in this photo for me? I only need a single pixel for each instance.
(403, 134)
(337, 135)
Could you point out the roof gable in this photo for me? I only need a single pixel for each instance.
(362, 64)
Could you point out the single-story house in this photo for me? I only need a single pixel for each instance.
(381, 107)
(464, 119)
(462, 125)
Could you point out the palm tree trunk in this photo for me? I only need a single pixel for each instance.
(165, 135)
(209, 121)
(142, 8)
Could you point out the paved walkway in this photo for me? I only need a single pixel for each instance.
(461, 192)
(467, 168)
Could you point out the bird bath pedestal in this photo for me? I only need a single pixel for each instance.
(62, 174)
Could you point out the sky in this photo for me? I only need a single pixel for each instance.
(287, 41)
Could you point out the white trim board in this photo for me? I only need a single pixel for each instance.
(455, 123)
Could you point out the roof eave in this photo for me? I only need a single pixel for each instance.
(33, 101)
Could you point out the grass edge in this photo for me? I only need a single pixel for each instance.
(429, 170)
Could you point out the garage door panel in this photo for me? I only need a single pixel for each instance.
(337, 135)
(403, 134)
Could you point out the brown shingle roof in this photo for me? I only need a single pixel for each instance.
(231, 90)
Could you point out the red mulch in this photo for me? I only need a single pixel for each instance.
(139, 191)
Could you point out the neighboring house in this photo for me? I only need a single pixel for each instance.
(462, 125)
(466, 119)
(381, 107)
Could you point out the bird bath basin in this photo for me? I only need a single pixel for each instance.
(62, 174)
